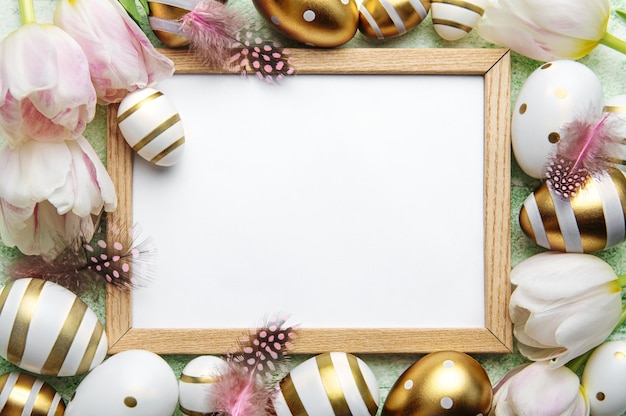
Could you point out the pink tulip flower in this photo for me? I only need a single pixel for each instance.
(121, 57)
(539, 390)
(51, 195)
(45, 90)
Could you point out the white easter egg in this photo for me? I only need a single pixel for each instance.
(604, 379)
(129, 383)
(617, 105)
(555, 93)
(23, 394)
(46, 329)
(329, 384)
(453, 19)
(151, 126)
(195, 384)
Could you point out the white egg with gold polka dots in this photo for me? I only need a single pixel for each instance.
(617, 105)
(556, 93)
(329, 384)
(195, 384)
(604, 379)
(46, 329)
(129, 383)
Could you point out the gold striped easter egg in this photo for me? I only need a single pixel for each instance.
(164, 16)
(23, 394)
(321, 23)
(329, 384)
(593, 219)
(390, 18)
(617, 105)
(453, 19)
(195, 384)
(151, 126)
(46, 329)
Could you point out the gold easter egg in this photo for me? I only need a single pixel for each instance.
(390, 18)
(22, 394)
(164, 21)
(322, 23)
(441, 383)
(593, 219)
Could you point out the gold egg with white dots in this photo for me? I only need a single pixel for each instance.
(441, 383)
(391, 18)
(320, 23)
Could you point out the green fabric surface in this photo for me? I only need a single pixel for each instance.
(609, 66)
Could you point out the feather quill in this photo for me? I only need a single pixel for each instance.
(247, 388)
(587, 147)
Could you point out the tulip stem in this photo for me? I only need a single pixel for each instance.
(621, 281)
(613, 42)
(27, 11)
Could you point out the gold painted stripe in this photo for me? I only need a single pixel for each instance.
(90, 353)
(361, 383)
(156, 132)
(188, 412)
(614, 109)
(19, 393)
(197, 380)
(451, 23)
(589, 214)
(463, 4)
(619, 179)
(291, 397)
(526, 225)
(65, 338)
(169, 149)
(43, 401)
(331, 383)
(5, 294)
(547, 211)
(17, 339)
(138, 105)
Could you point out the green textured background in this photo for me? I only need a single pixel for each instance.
(609, 65)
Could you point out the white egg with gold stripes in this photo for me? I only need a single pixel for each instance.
(593, 219)
(24, 394)
(195, 384)
(453, 19)
(329, 384)
(152, 126)
(617, 105)
(384, 19)
(46, 329)
(129, 383)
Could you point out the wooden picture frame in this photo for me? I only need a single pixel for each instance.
(493, 65)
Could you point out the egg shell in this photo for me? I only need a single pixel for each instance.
(390, 18)
(441, 383)
(164, 16)
(329, 384)
(604, 379)
(24, 394)
(196, 381)
(453, 19)
(592, 220)
(46, 329)
(321, 23)
(617, 106)
(129, 383)
(151, 126)
(555, 93)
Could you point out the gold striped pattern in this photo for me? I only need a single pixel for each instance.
(452, 23)
(549, 219)
(361, 384)
(197, 380)
(169, 149)
(168, 12)
(138, 105)
(188, 412)
(463, 4)
(526, 225)
(615, 109)
(291, 397)
(22, 388)
(17, 339)
(331, 383)
(90, 352)
(65, 339)
(619, 180)
(156, 132)
(589, 214)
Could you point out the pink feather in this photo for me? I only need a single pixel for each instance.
(587, 147)
(210, 28)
